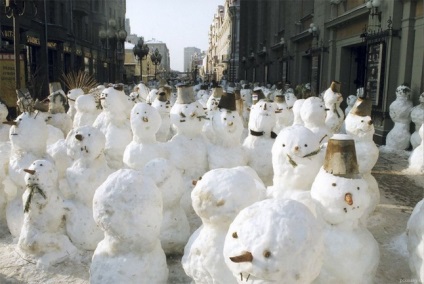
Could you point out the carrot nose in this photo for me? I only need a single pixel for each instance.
(370, 122)
(31, 172)
(296, 148)
(348, 198)
(145, 119)
(10, 122)
(245, 257)
(79, 137)
(265, 106)
(230, 123)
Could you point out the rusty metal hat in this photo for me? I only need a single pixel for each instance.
(185, 94)
(280, 98)
(227, 101)
(362, 107)
(340, 157)
(217, 92)
(335, 86)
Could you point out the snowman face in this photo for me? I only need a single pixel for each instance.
(85, 142)
(212, 104)
(276, 241)
(351, 100)
(162, 107)
(403, 92)
(296, 141)
(188, 118)
(262, 116)
(57, 102)
(74, 94)
(41, 172)
(313, 110)
(331, 97)
(340, 199)
(86, 103)
(359, 126)
(290, 99)
(145, 119)
(227, 122)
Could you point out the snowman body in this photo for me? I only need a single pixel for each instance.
(274, 241)
(417, 117)
(415, 241)
(42, 238)
(89, 170)
(416, 160)
(258, 143)
(313, 114)
(217, 199)
(145, 122)
(246, 96)
(400, 109)
(297, 119)
(224, 132)
(114, 122)
(28, 143)
(284, 116)
(175, 229)
(128, 208)
(296, 158)
(4, 128)
(164, 132)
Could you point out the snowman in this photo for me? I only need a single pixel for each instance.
(142, 93)
(351, 100)
(175, 229)
(400, 112)
(290, 98)
(415, 241)
(85, 145)
(224, 130)
(203, 95)
(151, 96)
(86, 110)
(4, 157)
(246, 96)
(260, 139)
(296, 158)
(162, 104)
(28, 136)
(56, 115)
(217, 198)
(42, 238)
(187, 149)
(284, 114)
(213, 100)
(128, 208)
(361, 128)
(114, 123)
(4, 126)
(332, 100)
(313, 114)
(72, 95)
(416, 160)
(351, 253)
(417, 117)
(274, 241)
(145, 122)
(297, 106)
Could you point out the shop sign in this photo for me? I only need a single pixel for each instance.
(7, 34)
(52, 45)
(67, 49)
(33, 40)
(7, 77)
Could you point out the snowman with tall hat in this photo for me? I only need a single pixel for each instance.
(246, 96)
(224, 130)
(114, 123)
(42, 238)
(261, 137)
(332, 100)
(417, 117)
(213, 100)
(361, 128)
(188, 148)
(128, 208)
(351, 253)
(217, 199)
(400, 112)
(88, 171)
(28, 137)
(163, 105)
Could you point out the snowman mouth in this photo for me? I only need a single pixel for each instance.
(244, 276)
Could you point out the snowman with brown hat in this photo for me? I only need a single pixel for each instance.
(351, 253)
(163, 105)
(332, 100)
(224, 130)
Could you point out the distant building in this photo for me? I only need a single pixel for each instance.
(188, 55)
(165, 64)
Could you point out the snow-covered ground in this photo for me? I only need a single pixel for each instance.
(400, 191)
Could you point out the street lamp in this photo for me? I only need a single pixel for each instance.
(156, 58)
(140, 50)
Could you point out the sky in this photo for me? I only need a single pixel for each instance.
(178, 23)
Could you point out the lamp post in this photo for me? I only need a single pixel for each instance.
(16, 8)
(140, 50)
(156, 58)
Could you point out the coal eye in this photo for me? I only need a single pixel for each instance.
(235, 236)
(358, 188)
(137, 112)
(306, 145)
(89, 134)
(284, 145)
(333, 184)
(225, 118)
(41, 165)
(267, 253)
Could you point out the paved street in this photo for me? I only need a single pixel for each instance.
(400, 191)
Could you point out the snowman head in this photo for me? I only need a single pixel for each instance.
(73, 94)
(295, 141)
(57, 102)
(129, 195)
(188, 118)
(403, 92)
(4, 112)
(85, 142)
(112, 101)
(145, 120)
(164, 107)
(262, 116)
(29, 132)
(290, 98)
(221, 193)
(361, 127)
(313, 111)
(276, 241)
(330, 97)
(421, 99)
(351, 100)
(227, 125)
(86, 104)
(42, 173)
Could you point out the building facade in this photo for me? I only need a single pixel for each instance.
(188, 55)
(375, 44)
(57, 37)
